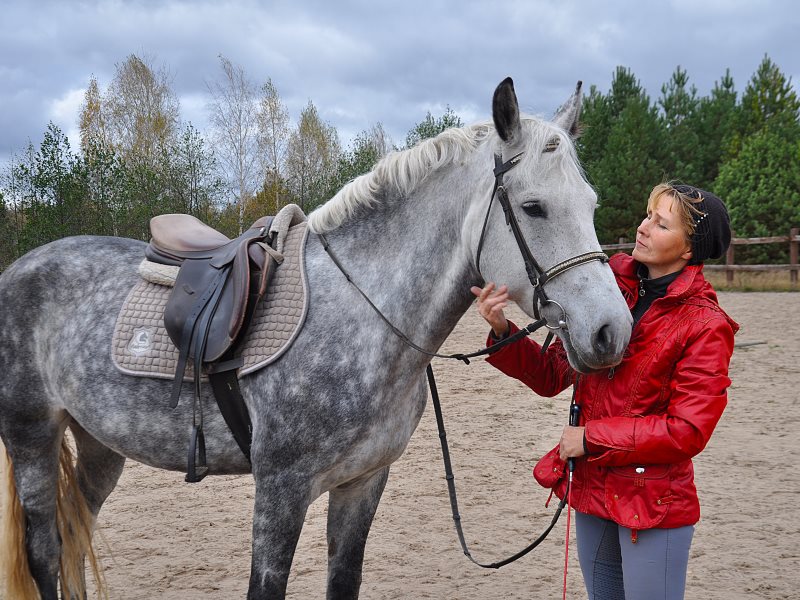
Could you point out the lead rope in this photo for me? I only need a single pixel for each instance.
(451, 487)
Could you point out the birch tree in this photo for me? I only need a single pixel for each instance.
(234, 117)
(273, 128)
(313, 154)
(91, 121)
(141, 110)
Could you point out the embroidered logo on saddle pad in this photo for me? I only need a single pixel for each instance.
(141, 346)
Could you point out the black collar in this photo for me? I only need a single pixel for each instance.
(656, 287)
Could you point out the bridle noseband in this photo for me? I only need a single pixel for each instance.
(536, 275)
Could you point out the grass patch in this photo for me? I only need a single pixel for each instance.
(752, 281)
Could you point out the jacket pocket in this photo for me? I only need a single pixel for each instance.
(638, 496)
(550, 469)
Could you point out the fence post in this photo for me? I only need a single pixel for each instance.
(793, 252)
(729, 260)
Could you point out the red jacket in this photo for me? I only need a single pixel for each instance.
(647, 417)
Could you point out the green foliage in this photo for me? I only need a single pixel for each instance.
(358, 160)
(768, 102)
(679, 105)
(50, 192)
(135, 162)
(759, 177)
(312, 158)
(47, 191)
(747, 153)
(623, 152)
(7, 234)
(431, 127)
(762, 189)
(712, 122)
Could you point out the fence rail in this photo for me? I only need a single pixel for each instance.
(730, 267)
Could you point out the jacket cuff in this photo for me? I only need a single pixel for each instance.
(496, 339)
(491, 340)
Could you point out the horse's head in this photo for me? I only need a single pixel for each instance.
(554, 207)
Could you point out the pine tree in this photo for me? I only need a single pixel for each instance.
(713, 123)
(768, 102)
(761, 187)
(679, 104)
(623, 154)
(432, 126)
(760, 176)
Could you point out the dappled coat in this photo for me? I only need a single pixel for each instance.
(648, 416)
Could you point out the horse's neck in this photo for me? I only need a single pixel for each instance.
(410, 257)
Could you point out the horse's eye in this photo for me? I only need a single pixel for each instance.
(533, 209)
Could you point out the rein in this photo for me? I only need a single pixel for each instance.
(537, 277)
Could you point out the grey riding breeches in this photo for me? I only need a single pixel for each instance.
(614, 568)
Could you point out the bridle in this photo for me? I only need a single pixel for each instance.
(538, 277)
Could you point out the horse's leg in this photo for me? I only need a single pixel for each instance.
(351, 508)
(97, 470)
(282, 500)
(34, 449)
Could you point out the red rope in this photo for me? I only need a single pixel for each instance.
(566, 547)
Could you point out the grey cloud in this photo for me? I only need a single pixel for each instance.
(364, 62)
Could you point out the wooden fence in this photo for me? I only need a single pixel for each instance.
(730, 267)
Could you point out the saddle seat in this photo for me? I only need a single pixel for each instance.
(175, 238)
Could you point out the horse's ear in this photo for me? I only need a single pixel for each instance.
(567, 116)
(505, 111)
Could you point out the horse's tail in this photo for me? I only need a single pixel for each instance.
(15, 571)
(75, 525)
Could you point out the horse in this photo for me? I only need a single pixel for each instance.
(341, 404)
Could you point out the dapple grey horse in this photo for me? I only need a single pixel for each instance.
(341, 404)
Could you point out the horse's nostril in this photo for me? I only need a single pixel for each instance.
(602, 340)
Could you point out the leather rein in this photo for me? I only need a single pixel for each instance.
(538, 277)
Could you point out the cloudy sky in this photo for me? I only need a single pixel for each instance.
(368, 61)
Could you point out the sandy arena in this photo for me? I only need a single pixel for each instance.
(161, 538)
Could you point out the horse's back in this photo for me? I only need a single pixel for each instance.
(70, 261)
(57, 298)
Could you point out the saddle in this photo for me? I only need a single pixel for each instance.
(218, 286)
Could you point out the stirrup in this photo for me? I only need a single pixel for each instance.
(197, 446)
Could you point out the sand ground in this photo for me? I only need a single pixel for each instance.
(162, 538)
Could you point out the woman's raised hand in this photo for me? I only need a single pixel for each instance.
(491, 303)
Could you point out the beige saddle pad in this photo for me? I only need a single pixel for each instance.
(141, 346)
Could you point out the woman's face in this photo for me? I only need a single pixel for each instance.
(662, 243)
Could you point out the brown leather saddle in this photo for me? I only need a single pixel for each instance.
(219, 284)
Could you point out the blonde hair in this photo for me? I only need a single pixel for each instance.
(684, 203)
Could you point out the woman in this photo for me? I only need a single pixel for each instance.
(642, 421)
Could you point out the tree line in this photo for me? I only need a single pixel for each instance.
(138, 159)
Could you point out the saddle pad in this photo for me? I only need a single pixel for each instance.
(141, 346)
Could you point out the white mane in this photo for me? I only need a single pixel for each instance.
(404, 170)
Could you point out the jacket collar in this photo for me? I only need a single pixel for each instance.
(690, 281)
(689, 284)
